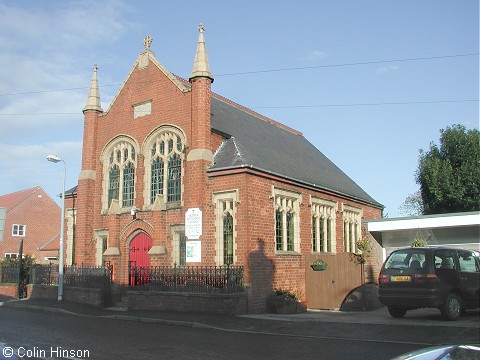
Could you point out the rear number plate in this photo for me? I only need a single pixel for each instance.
(401, 278)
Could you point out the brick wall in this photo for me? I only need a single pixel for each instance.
(233, 304)
(10, 290)
(93, 297)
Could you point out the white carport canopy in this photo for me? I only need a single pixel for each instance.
(461, 230)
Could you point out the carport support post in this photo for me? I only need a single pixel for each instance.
(20, 261)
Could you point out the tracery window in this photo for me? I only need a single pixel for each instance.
(323, 225)
(225, 226)
(227, 239)
(287, 222)
(120, 163)
(164, 165)
(352, 220)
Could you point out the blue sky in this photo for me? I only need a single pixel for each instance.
(369, 83)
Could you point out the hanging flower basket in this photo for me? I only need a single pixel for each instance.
(319, 265)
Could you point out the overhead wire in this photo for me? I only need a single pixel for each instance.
(282, 70)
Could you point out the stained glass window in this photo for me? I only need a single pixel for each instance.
(290, 231)
(113, 184)
(279, 230)
(174, 178)
(128, 185)
(157, 179)
(227, 239)
(166, 167)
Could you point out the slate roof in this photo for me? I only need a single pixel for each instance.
(258, 144)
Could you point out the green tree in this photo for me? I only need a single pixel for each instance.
(449, 174)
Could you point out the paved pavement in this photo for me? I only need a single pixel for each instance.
(304, 324)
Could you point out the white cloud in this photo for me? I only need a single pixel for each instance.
(387, 69)
(315, 55)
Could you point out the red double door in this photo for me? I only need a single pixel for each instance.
(139, 259)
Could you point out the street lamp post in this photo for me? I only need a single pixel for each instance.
(56, 159)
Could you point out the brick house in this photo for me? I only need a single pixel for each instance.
(170, 158)
(33, 216)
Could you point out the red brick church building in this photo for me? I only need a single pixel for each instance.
(173, 173)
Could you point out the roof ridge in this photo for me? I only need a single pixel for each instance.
(239, 154)
(256, 114)
(28, 192)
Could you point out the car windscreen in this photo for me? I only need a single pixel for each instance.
(408, 258)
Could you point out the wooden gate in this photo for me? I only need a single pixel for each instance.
(328, 289)
(139, 247)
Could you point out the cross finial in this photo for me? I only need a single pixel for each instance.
(147, 42)
(201, 27)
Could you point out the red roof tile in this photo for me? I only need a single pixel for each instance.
(9, 201)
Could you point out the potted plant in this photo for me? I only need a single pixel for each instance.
(319, 265)
(286, 302)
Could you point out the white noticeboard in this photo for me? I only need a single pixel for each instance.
(194, 251)
(193, 223)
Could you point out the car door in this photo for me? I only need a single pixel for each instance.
(446, 270)
(469, 271)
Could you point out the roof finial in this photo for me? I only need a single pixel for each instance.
(147, 41)
(200, 65)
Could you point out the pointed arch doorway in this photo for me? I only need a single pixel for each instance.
(139, 260)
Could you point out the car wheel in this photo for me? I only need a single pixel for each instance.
(396, 311)
(452, 307)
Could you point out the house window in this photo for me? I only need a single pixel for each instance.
(287, 224)
(11, 255)
(225, 226)
(164, 166)
(352, 220)
(120, 162)
(18, 230)
(323, 224)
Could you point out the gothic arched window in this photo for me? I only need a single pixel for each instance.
(164, 165)
(120, 163)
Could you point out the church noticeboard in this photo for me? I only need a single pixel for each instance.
(193, 223)
(193, 251)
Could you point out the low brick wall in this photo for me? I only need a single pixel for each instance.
(74, 294)
(9, 290)
(233, 304)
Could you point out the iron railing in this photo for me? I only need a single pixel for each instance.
(83, 276)
(195, 279)
(9, 274)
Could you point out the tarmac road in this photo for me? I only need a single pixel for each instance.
(372, 335)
